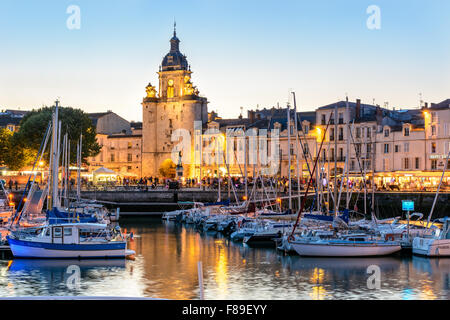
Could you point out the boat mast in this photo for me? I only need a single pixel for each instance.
(438, 189)
(54, 168)
(79, 146)
(347, 204)
(297, 149)
(335, 160)
(289, 153)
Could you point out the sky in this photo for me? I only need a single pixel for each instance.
(243, 53)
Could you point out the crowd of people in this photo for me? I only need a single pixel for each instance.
(212, 183)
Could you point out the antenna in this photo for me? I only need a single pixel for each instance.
(420, 100)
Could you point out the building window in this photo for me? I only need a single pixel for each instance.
(323, 119)
(341, 134)
(406, 163)
(292, 149)
(406, 147)
(433, 117)
(130, 157)
(306, 129)
(358, 149)
(358, 132)
(341, 118)
(433, 164)
(417, 162)
(170, 89)
(332, 134)
(341, 154)
(433, 130)
(385, 164)
(386, 148)
(397, 148)
(406, 132)
(130, 145)
(113, 158)
(305, 149)
(369, 148)
(433, 147)
(369, 132)
(352, 165)
(386, 132)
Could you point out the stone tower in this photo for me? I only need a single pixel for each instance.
(176, 106)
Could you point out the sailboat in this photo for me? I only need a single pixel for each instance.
(6, 209)
(64, 235)
(438, 244)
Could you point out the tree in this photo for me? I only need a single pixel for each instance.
(167, 169)
(10, 156)
(73, 121)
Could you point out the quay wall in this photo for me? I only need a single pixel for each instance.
(387, 204)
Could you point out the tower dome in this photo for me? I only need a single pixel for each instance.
(174, 60)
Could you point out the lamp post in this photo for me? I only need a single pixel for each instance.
(179, 168)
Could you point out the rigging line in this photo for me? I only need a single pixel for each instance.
(309, 183)
(27, 186)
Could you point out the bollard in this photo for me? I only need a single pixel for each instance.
(200, 280)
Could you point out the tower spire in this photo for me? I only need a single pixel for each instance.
(174, 27)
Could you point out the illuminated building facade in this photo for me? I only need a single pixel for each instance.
(176, 105)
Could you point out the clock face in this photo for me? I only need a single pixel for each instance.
(170, 82)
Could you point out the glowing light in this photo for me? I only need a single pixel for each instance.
(41, 163)
(11, 204)
(244, 198)
(279, 200)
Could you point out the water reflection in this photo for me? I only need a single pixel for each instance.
(166, 267)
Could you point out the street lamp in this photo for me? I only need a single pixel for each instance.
(179, 168)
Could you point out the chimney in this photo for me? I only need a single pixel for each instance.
(358, 109)
(379, 115)
(251, 116)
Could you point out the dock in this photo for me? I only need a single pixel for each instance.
(5, 252)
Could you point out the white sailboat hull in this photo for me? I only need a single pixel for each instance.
(431, 247)
(326, 249)
(22, 252)
(32, 249)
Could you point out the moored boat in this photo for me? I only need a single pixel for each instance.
(346, 246)
(434, 246)
(71, 240)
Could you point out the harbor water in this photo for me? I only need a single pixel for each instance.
(167, 256)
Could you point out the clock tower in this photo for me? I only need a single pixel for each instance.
(176, 105)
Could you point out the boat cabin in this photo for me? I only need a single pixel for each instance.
(76, 233)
